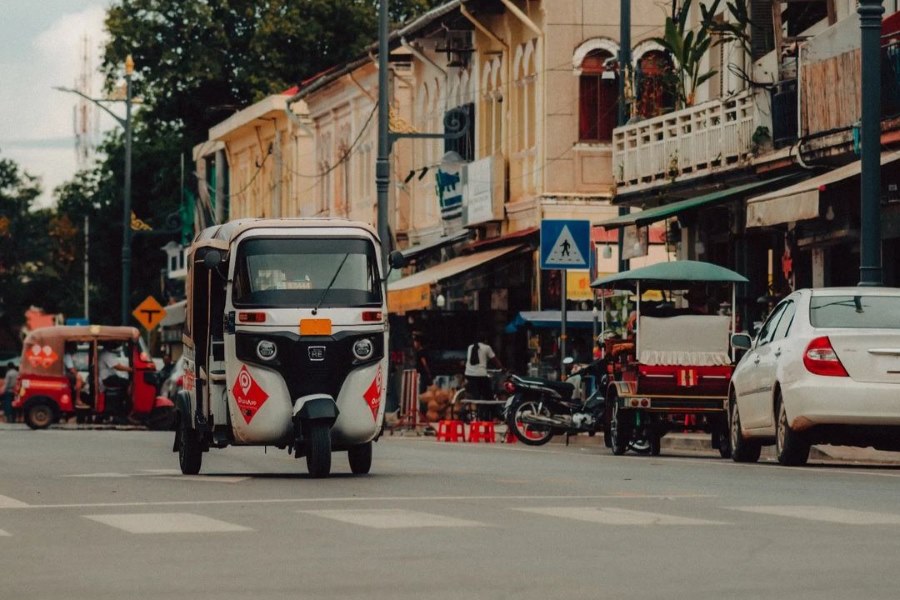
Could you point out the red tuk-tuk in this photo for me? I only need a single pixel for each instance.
(57, 361)
(673, 369)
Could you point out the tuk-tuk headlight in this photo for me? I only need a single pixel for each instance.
(363, 349)
(266, 350)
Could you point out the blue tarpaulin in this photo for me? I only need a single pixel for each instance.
(550, 319)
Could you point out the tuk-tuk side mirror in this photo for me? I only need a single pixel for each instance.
(396, 260)
(741, 341)
(212, 259)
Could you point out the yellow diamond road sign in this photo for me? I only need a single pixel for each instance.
(149, 313)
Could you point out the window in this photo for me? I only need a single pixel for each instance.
(768, 329)
(784, 325)
(855, 312)
(597, 98)
(653, 94)
(305, 272)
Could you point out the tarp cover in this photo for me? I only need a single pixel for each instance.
(672, 275)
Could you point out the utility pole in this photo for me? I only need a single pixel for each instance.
(87, 264)
(624, 71)
(870, 274)
(382, 162)
(126, 204)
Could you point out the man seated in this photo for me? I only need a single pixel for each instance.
(114, 386)
(76, 381)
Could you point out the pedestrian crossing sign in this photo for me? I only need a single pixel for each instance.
(565, 244)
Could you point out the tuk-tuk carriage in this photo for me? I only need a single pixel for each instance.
(60, 376)
(285, 341)
(672, 369)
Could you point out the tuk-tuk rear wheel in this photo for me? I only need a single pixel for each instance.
(619, 434)
(318, 450)
(190, 452)
(39, 415)
(360, 458)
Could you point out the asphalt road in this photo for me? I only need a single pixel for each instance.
(106, 515)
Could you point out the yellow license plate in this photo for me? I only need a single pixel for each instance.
(315, 326)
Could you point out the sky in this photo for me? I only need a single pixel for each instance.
(41, 48)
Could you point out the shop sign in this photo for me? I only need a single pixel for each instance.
(635, 241)
(483, 192)
(578, 286)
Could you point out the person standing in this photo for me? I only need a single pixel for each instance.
(9, 388)
(478, 383)
(422, 367)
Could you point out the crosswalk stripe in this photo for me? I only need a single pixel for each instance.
(826, 514)
(166, 523)
(7, 502)
(392, 518)
(615, 516)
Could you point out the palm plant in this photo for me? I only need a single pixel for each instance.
(687, 48)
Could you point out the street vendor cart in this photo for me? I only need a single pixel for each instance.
(673, 366)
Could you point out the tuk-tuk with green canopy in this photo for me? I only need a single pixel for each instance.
(674, 360)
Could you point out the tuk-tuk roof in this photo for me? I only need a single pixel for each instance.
(80, 333)
(221, 236)
(672, 274)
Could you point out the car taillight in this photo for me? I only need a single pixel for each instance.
(821, 359)
(509, 387)
(372, 315)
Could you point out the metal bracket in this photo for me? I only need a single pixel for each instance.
(455, 126)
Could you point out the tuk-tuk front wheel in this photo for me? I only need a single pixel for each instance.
(39, 414)
(190, 450)
(360, 458)
(318, 450)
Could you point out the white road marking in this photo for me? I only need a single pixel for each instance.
(615, 516)
(100, 475)
(392, 518)
(5, 533)
(826, 514)
(7, 502)
(166, 523)
(354, 499)
(205, 478)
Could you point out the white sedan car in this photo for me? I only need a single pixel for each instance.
(824, 369)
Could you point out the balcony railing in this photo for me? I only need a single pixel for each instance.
(688, 143)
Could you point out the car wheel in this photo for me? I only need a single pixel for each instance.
(791, 447)
(360, 458)
(654, 439)
(742, 449)
(39, 415)
(723, 437)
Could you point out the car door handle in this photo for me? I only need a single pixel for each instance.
(777, 353)
(756, 360)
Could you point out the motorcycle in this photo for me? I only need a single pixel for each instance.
(537, 409)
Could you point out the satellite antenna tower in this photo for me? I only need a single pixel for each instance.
(85, 119)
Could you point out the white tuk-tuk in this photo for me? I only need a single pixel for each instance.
(285, 341)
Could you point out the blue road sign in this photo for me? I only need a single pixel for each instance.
(565, 244)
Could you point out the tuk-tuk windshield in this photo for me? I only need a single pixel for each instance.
(297, 272)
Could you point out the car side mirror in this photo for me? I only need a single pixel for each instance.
(741, 341)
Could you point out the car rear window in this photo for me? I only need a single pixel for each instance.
(855, 312)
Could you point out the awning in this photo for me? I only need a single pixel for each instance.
(652, 215)
(174, 314)
(673, 274)
(414, 251)
(414, 292)
(551, 319)
(801, 200)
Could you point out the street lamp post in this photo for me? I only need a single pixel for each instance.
(126, 195)
(870, 12)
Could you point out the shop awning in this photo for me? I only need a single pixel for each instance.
(551, 319)
(652, 215)
(414, 251)
(174, 314)
(414, 292)
(801, 200)
(673, 274)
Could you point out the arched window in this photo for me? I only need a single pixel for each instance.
(654, 95)
(598, 91)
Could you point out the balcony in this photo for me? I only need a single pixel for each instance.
(700, 140)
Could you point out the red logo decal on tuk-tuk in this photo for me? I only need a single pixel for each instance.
(248, 395)
(42, 356)
(373, 394)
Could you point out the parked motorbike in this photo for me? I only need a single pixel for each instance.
(538, 409)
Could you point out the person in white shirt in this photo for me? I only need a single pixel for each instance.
(110, 366)
(478, 383)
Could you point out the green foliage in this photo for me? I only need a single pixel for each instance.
(687, 48)
(735, 28)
